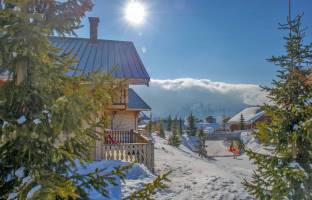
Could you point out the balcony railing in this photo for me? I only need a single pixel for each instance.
(128, 146)
(121, 100)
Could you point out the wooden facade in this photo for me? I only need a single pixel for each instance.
(128, 144)
(124, 120)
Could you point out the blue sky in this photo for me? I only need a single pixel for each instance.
(220, 40)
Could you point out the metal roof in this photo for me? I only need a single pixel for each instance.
(117, 57)
(135, 102)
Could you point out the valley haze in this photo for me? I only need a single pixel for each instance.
(201, 96)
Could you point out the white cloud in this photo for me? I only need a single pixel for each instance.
(184, 95)
(250, 93)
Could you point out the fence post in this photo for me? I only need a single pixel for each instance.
(132, 139)
(151, 150)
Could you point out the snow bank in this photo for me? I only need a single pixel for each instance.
(190, 142)
(135, 178)
(251, 143)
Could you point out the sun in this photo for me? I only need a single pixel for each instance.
(135, 12)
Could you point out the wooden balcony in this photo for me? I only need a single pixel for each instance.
(120, 102)
(128, 146)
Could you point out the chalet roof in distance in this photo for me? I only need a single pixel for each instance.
(117, 57)
(250, 114)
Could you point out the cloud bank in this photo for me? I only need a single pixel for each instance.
(200, 96)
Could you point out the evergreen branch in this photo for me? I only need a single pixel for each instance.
(150, 188)
(99, 179)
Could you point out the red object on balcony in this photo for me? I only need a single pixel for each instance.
(110, 139)
(2, 82)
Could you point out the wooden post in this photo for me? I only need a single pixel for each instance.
(151, 155)
(21, 72)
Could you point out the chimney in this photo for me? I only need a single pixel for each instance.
(94, 21)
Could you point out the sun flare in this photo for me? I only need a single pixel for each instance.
(135, 12)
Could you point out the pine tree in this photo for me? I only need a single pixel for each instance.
(191, 129)
(150, 125)
(174, 127)
(286, 173)
(174, 138)
(169, 123)
(49, 120)
(43, 111)
(242, 122)
(161, 129)
(225, 119)
(180, 127)
(201, 146)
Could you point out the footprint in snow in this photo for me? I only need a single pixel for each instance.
(212, 179)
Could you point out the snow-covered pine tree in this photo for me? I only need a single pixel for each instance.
(242, 122)
(169, 123)
(174, 138)
(286, 173)
(191, 129)
(201, 146)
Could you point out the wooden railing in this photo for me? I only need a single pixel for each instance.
(120, 101)
(125, 137)
(122, 97)
(128, 146)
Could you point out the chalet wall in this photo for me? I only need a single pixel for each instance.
(124, 120)
(236, 126)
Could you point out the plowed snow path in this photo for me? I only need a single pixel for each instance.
(196, 178)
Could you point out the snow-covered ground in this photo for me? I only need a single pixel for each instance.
(197, 178)
(253, 144)
(217, 177)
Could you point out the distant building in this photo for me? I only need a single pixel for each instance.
(208, 127)
(210, 119)
(251, 116)
(143, 119)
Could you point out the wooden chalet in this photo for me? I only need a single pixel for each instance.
(122, 60)
(251, 116)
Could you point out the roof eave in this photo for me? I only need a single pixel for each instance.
(139, 109)
(139, 81)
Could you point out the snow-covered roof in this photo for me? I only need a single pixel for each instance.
(206, 125)
(250, 115)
